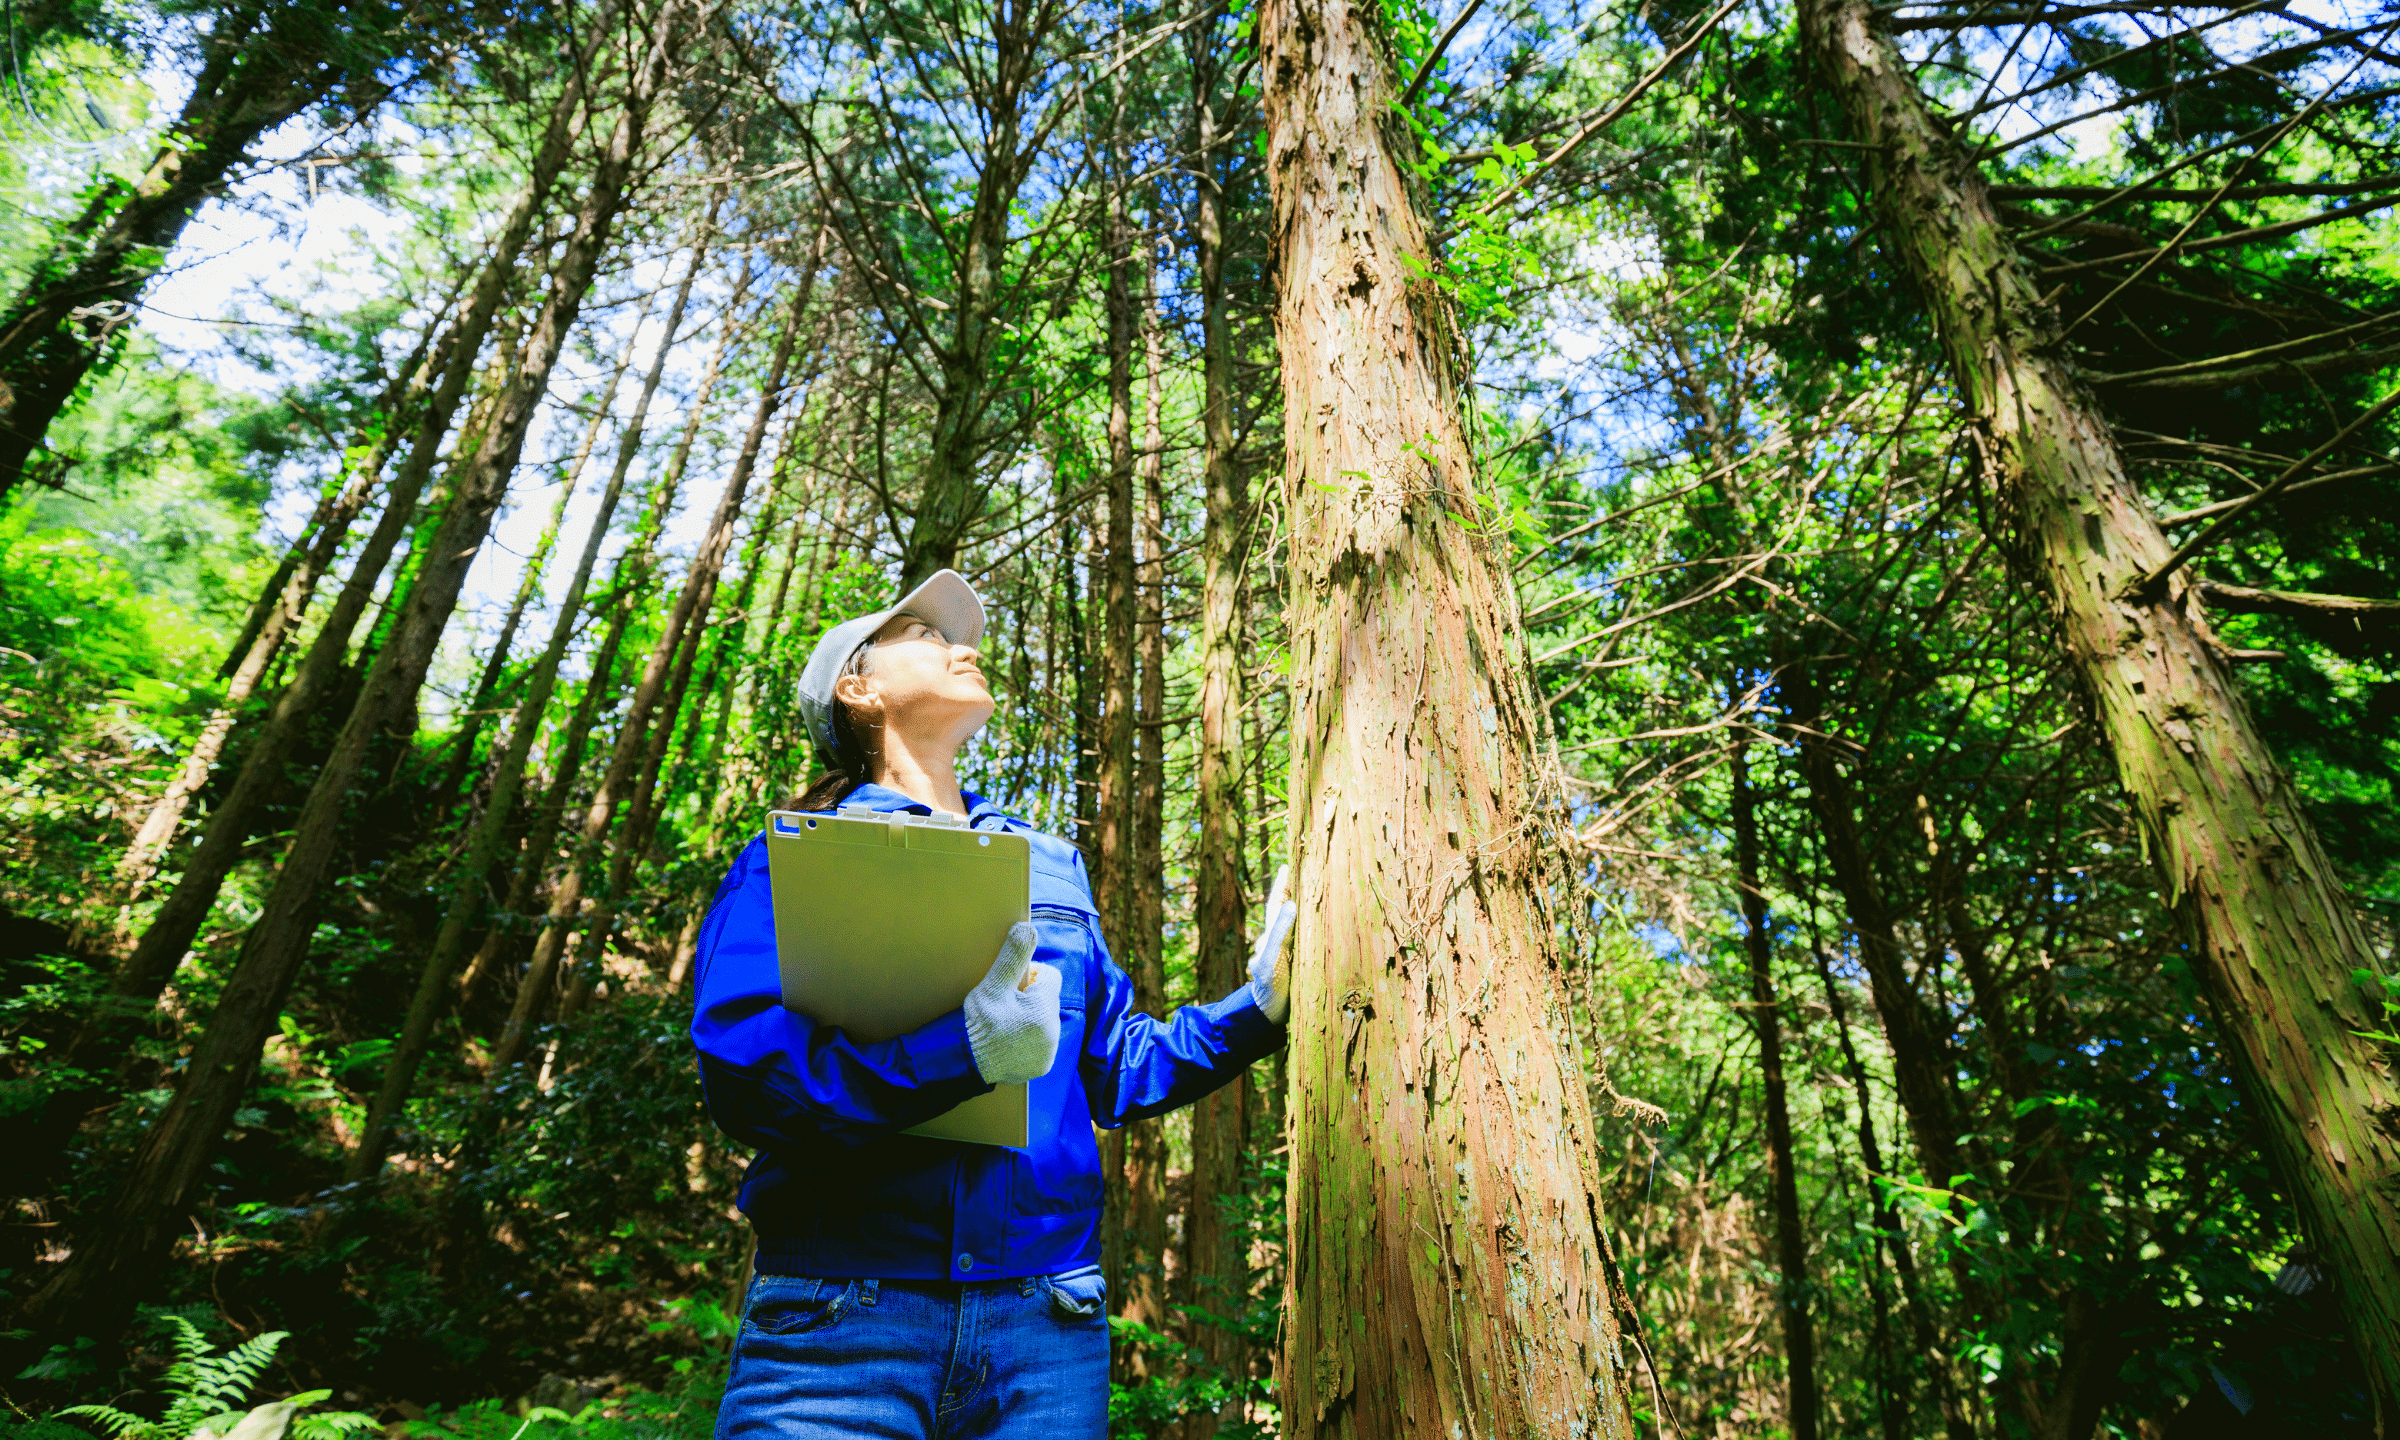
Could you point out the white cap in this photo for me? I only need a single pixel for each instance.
(945, 601)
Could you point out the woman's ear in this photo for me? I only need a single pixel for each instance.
(855, 692)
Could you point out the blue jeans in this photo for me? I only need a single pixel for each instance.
(920, 1360)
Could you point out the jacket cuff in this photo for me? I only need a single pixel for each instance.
(939, 1050)
(1251, 1029)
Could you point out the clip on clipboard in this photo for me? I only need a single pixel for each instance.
(885, 921)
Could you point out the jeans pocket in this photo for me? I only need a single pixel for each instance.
(795, 1304)
(1077, 1294)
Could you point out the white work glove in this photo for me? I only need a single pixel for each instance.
(1270, 984)
(1012, 1015)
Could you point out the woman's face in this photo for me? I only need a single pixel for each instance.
(920, 685)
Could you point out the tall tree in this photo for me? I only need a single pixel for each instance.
(146, 969)
(2278, 941)
(1791, 1245)
(1448, 1269)
(1220, 915)
(484, 843)
(618, 785)
(1148, 1203)
(1114, 875)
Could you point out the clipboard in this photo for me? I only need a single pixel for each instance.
(885, 921)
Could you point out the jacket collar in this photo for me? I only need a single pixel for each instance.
(885, 800)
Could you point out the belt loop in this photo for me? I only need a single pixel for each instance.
(866, 1293)
(1028, 1286)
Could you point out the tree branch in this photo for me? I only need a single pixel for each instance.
(2298, 604)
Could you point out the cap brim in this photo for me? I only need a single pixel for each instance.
(948, 603)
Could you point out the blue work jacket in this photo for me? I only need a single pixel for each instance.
(836, 1190)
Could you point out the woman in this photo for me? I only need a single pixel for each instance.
(920, 1288)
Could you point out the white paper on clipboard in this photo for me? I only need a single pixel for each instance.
(885, 921)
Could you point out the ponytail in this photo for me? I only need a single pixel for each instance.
(828, 790)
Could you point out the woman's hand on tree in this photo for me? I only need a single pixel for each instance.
(1270, 979)
(1012, 1015)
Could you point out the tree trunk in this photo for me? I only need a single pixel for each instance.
(1147, 1201)
(529, 584)
(631, 843)
(1957, 1423)
(491, 827)
(1791, 1246)
(35, 1140)
(1922, 1069)
(1085, 622)
(600, 690)
(2277, 941)
(1214, 1261)
(112, 1262)
(734, 646)
(617, 784)
(953, 496)
(285, 604)
(769, 646)
(1114, 874)
(1447, 1272)
(630, 582)
(541, 836)
(705, 768)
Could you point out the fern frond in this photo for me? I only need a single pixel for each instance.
(191, 1345)
(332, 1425)
(229, 1378)
(182, 1378)
(115, 1422)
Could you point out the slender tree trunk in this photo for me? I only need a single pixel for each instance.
(1921, 1063)
(631, 580)
(2278, 942)
(835, 530)
(1447, 1270)
(1791, 1245)
(541, 837)
(1086, 624)
(1218, 1268)
(37, 1138)
(1147, 1200)
(631, 843)
(954, 494)
(1115, 874)
(616, 786)
(1957, 1423)
(763, 666)
(111, 1264)
(542, 834)
(529, 584)
(733, 646)
(706, 767)
(484, 844)
(285, 604)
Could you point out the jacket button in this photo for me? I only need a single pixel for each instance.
(966, 1262)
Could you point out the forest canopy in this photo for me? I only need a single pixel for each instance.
(1805, 586)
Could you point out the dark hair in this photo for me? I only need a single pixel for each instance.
(850, 760)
